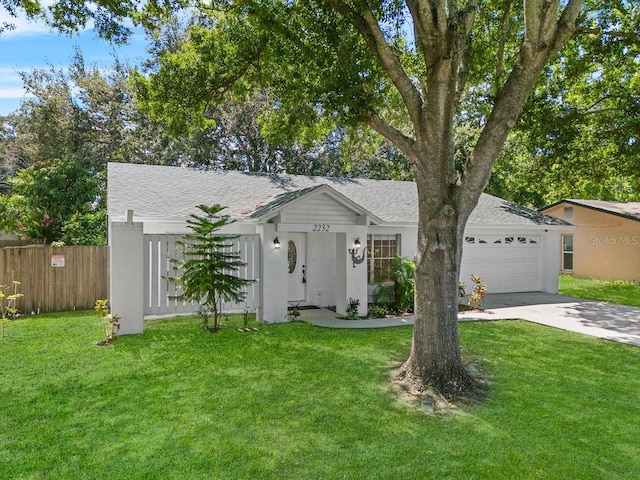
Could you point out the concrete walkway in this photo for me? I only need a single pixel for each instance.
(597, 319)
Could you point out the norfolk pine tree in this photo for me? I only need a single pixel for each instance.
(207, 273)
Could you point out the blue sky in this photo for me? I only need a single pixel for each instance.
(34, 45)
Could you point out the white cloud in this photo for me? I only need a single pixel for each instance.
(11, 86)
(23, 25)
(12, 92)
(26, 27)
(9, 74)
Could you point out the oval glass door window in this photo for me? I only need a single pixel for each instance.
(292, 256)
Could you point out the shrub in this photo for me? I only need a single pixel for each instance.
(110, 323)
(8, 302)
(352, 309)
(478, 293)
(399, 294)
(378, 311)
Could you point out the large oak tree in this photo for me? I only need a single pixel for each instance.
(346, 60)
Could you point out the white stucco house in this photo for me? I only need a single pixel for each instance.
(305, 240)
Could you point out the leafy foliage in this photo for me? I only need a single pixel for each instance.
(86, 115)
(8, 297)
(46, 196)
(206, 273)
(352, 310)
(69, 16)
(404, 274)
(86, 229)
(110, 322)
(478, 293)
(401, 293)
(578, 136)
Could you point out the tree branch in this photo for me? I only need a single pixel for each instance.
(506, 17)
(395, 136)
(465, 19)
(232, 79)
(634, 37)
(425, 24)
(368, 26)
(591, 109)
(537, 48)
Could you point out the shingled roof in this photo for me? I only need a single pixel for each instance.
(175, 192)
(630, 210)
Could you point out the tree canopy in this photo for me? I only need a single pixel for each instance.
(578, 136)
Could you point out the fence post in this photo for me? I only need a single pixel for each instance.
(126, 281)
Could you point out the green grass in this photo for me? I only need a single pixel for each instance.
(615, 291)
(294, 401)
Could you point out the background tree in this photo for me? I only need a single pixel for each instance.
(10, 158)
(91, 116)
(88, 115)
(45, 197)
(206, 275)
(342, 62)
(236, 141)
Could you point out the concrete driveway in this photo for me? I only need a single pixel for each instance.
(597, 319)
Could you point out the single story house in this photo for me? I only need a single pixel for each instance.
(305, 240)
(605, 243)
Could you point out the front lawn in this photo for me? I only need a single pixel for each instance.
(294, 401)
(623, 293)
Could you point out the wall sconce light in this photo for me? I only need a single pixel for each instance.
(354, 253)
(276, 243)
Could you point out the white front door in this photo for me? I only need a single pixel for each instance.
(297, 267)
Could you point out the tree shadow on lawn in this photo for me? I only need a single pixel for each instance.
(620, 319)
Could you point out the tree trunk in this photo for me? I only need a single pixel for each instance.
(436, 359)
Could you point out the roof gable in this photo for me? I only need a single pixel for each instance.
(628, 210)
(323, 202)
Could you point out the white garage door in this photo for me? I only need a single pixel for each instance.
(506, 263)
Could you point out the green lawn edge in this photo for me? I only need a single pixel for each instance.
(294, 401)
(614, 291)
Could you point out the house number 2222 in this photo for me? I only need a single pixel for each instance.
(321, 227)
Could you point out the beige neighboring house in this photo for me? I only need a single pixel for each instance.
(605, 243)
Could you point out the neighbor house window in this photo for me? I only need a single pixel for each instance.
(381, 250)
(567, 252)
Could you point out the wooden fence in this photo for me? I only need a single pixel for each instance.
(56, 279)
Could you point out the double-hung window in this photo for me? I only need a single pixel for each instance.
(567, 252)
(382, 250)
